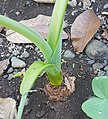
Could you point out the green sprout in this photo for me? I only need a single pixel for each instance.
(51, 50)
(97, 107)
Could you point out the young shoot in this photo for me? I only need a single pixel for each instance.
(51, 50)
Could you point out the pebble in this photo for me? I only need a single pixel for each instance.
(25, 54)
(10, 70)
(17, 63)
(106, 73)
(15, 52)
(90, 61)
(10, 76)
(1, 40)
(97, 66)
(69, 54)
(86, 4)
(106, 68)
(96, 49)
(105, 6)
(72, 3)
(101, 73)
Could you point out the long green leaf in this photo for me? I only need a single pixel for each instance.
(54, 75)
(96, 108)
(100, 86)
(37, 39)
(56, 23)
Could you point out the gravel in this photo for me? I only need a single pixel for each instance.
(69, 54)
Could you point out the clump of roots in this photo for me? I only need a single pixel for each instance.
(56, 93)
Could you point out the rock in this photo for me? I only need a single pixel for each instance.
(72, 3)
(25, 54)
(106, 68)
(15, 52)
(17, 63)
(10, 76)
(105, 6)
(10, 70)
(106, 73)
(3, 65)
(69, 54)
(86, 4)
(90, 61)
(101, 73)
(96, 50)
(1, 40)
(97, 66)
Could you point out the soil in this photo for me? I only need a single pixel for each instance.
(39, 106)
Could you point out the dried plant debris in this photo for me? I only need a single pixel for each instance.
(83, 29)
(39, 24)
(7, 108)
(56, 93)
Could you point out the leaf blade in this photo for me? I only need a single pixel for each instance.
(29, 33)
(34, 71)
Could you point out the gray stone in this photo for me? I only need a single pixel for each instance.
(69, 54)
(25, 54)
(90, 61)
(106, 68)
(96, 49)
(15, 52)
(10, 76)
(1, 40)
(105, 6)
(10, 70)
(97, 66)
(17, 63)
(106, 73)
(101, 73)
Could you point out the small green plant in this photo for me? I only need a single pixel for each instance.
(51, 50)
(97, 107)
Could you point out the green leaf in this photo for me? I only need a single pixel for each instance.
(54, 75)
(96, 108)
(36, 38)
(56, 23)
(100, 86)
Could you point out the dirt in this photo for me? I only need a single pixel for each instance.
(39, 106)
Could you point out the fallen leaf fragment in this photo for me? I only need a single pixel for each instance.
(7, 108)
(105, 34)
(3, 65)
(83, 29)
(39, 24)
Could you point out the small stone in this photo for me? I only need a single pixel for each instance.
(15, 52)
(25, 54)
(106, 73)
(96, 49)
(90, 61)
(69, 54)
(17, 13)
(40, 113)
(97, 66)
(1, 40)
(105, 6)
(5, 76)
(72, 3)
(106, 68)
(10, 76)
(10, 70)
(86, 4)
(17, 63)
(101, 73)
(3, 65)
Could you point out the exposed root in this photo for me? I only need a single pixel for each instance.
(56, 93)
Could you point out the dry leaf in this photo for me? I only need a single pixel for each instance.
(7, 108)
(83, 29)
(39, 24)
(3, 65)
(105, 34)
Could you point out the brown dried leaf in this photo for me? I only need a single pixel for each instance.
(7, 108)
(83, 29)
(39, 24)
(105, 34)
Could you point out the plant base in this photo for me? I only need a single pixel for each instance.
(56, 93)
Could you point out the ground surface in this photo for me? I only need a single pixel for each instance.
(39, 107)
